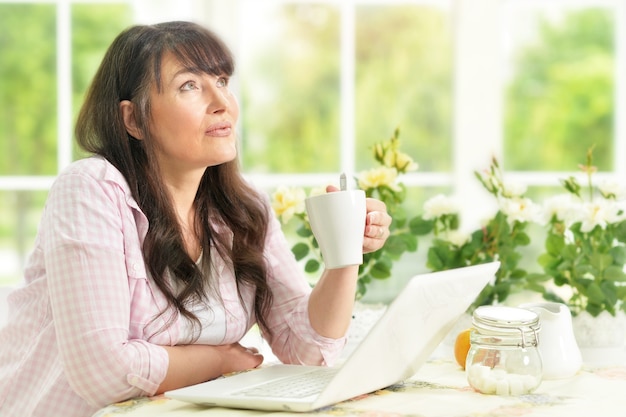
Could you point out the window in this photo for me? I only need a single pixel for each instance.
(48, 55)
(560, 85)
(534, 83)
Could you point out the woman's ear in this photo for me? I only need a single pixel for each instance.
(127, 108)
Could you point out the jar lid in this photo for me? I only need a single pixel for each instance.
(504, 318)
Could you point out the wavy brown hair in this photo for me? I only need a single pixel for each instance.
(231, 217)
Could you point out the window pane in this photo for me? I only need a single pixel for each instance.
(289, 70)
(94, 26)
(28, 106)
(404, 79)
(19, 216)
(559, 94)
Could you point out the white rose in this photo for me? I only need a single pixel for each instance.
(592, 215)
(382, 176)
(519, 209)
(562, 207)
(439, 205)
(613, 188)
(513, 189)
(287, 202)
(457, 238)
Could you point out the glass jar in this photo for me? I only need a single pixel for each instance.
(503, 358)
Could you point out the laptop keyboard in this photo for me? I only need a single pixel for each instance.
(297, 386)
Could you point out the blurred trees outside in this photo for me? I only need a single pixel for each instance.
(28, 71)
(28, 105)
(290, 91)
(560, 101)
(403, 78)
(404, 73)
(27, 89)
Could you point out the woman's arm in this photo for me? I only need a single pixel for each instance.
(332, 300)
(309, 326)
(192, 364)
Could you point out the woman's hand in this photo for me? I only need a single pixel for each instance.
(377, 223)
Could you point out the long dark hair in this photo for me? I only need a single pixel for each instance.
(231, 217)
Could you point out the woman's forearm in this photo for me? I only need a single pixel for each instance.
(193, 364)
(332, 300)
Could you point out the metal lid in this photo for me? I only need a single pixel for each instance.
(501, 318)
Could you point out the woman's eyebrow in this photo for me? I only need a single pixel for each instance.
(187, 70)
(182, 72)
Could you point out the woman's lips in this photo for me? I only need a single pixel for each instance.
(219, 129)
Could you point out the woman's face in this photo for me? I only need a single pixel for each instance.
(193, 119)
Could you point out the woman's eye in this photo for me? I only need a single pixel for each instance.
(189, 85)
(222, 82)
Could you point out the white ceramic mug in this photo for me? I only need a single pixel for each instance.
(338, 223)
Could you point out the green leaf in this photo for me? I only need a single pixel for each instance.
(437, 257)
(536, 287)
(595, 294)
(554, 244)
(610, 293)
(410, 242)
(536, 277)
(361, 288)
(395, 245)
(517, 274)
(620, 231)
(594, 309)
(419, 226)
(619, 254)
(300, 250)
(521, 239)
(312, 266)
(502, 291)
(614, 273)
(454, 221)
(600, 261)
(381, 269)
(304, 231)
(399, 217)
(550, 296)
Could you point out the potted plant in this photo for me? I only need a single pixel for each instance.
(498, 238)
(585, 254)
(382, 182)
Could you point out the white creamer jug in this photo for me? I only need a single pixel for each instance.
(557, 345)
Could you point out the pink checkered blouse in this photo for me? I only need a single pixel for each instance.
(81, 333)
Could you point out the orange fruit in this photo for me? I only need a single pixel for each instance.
(461, 347)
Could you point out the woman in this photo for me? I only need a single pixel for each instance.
(154, 257)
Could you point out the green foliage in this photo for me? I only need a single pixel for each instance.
(403, 77)
(28, 77)
(585, 250)
(560, 101)
(27, 89)
(498, 239)
(291, 92)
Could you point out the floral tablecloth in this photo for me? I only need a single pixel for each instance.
(438, 389)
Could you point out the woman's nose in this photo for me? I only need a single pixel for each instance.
(218, 100)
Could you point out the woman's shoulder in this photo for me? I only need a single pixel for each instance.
(94, 168)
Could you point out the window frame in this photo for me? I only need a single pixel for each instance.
(477, 34)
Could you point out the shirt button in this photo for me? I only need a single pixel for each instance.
(134, 380)
(135, 266)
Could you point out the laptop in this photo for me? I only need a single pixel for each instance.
(404, 337)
